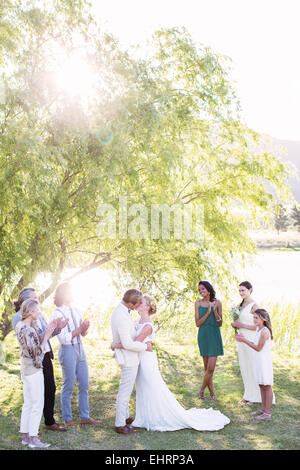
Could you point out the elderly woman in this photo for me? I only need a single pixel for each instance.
(49, 380)
(32, 356)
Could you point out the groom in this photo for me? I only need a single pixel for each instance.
(123, 331)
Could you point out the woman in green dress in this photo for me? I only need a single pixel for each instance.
(208, 318)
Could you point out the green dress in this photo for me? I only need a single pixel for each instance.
(209, 335)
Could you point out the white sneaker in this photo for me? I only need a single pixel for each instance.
(34, 442)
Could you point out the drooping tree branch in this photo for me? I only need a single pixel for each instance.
(93, 265)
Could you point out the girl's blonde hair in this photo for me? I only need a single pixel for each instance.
(27, 307)
(263, 314)
(152, 304)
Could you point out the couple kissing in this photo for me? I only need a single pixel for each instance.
(156, 407)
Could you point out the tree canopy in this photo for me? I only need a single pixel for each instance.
(161, 130)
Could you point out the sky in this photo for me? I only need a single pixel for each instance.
(261, 36)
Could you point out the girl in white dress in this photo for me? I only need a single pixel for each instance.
(156, 407)
(263, 360)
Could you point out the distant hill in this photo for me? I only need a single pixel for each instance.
(293, 149)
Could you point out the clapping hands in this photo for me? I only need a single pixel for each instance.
(84, 325)
(61, 323)
(50, 328)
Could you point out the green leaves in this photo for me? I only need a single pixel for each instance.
(162, 130)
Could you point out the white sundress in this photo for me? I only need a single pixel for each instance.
(263, 360)
(247, 358)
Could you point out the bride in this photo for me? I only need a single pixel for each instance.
(156, 407)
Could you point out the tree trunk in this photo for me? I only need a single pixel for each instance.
(5, 322)
(5, 325)
(2, 352)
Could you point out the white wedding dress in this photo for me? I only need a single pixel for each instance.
(156, 407)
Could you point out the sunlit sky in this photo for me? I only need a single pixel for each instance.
(261, 36)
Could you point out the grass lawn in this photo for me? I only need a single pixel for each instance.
(182, 370)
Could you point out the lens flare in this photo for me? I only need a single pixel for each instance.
(104, 135)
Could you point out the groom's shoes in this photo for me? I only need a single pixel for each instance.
(125, 430)
(130, 420)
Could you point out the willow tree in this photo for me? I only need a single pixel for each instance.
(163, 130)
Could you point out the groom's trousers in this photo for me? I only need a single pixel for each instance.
(128, 376)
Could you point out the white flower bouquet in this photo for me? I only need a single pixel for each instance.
(235, 315)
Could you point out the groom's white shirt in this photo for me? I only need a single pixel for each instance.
(123, 331)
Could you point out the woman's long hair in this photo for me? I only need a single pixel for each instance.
(210, 289)
(24, 295)
(263, 314)
(248, 286)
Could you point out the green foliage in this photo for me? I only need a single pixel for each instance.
(161, 130)
(295, 216)
(281, 219)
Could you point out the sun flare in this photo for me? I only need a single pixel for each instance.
(76, 76)
(93, 288)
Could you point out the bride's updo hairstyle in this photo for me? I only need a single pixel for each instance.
(152, 304)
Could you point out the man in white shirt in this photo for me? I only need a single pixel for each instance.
(72, 356)
(123, 331)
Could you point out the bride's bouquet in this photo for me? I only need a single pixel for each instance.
(235, 315)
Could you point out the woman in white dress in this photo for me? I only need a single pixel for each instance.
(246, 355)
(263, 361)
(156, 407)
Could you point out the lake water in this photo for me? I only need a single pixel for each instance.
(275, 276)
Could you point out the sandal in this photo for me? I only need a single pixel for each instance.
(264, 416)
(257, 413)
(201, 394)
(212, 396)
(249, 403)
